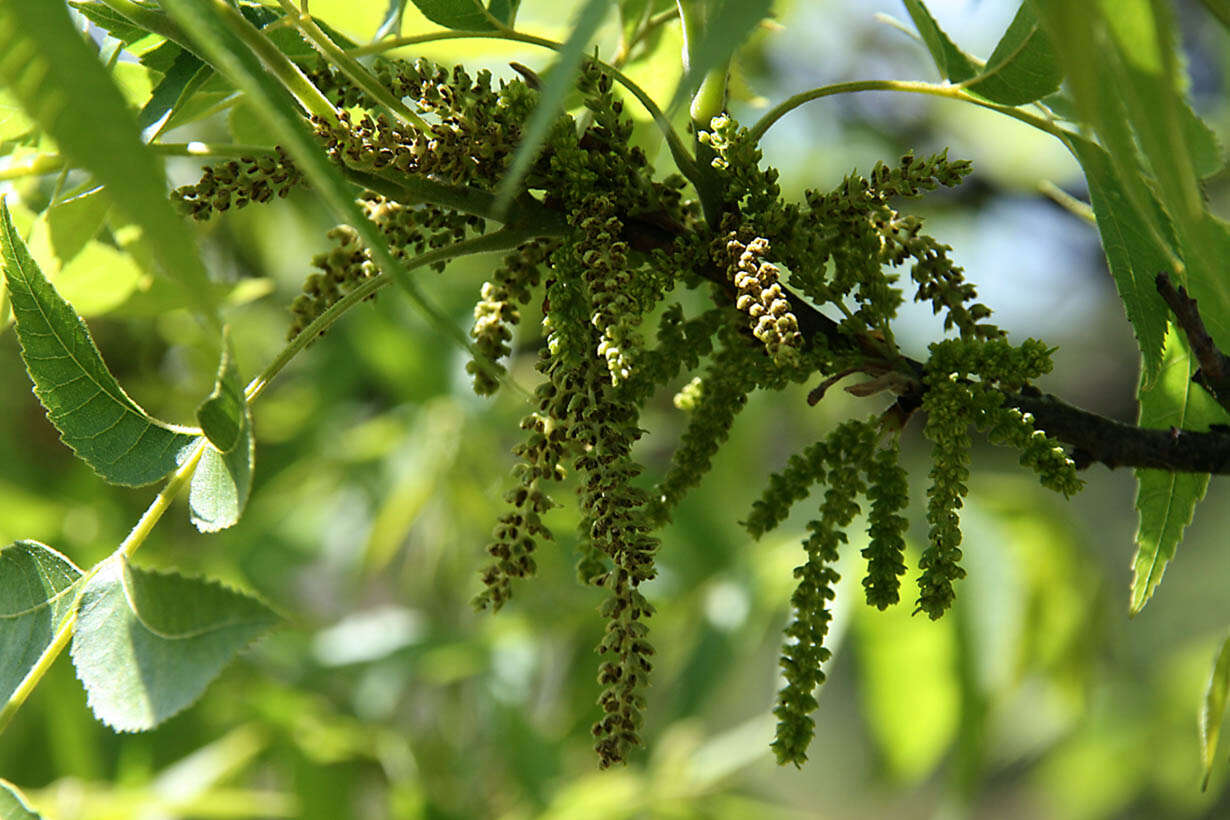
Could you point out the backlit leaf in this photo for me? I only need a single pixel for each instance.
(95, 417)
(1165, 500)
(147, 644)
(1213, 710)
(1023, 67)
(36, 595)
(46, 65)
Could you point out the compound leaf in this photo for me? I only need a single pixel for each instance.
(95, 417)
(1166, 500)
(1213, 710)
(13, 805)
(36, 595)
(61, 85)
(148, 643)
(1023, 67)
(223, 478)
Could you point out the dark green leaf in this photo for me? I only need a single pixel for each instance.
(223, 478)
(953, 63)
(95, 417)
(1213, 710)
(1165, 500)
(36, 595)
(504, 10)
(13, 805)
(185, 72)
(148, 643)
(64, 88)
(1131, 251)
(1219, 9)
(463, 15)
(1023, 67)
(550, 101)
(728, 24)
(224, 414)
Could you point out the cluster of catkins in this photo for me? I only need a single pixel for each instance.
(628, 244)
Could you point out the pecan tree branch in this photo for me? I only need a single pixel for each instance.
(1094, 439)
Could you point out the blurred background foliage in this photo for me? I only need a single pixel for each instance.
(379, 475)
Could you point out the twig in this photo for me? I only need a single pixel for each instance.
(1214, 372)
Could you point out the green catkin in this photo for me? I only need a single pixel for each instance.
(237, 183)
(844, 455)
(888, 492)
(722, 395)
(497, 311)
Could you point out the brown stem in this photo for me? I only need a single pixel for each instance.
(1214, 372)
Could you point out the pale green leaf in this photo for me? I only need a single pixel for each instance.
(13, 805)
(953, 63)
(62, 85)
(1213, 710)
(223, 479)
(1132, 252)
(1165, 500)
(110, 21)
(73, 222)
(36, 595)
(95, 417)
(1023, 67)
(147, 644)
(551, 98)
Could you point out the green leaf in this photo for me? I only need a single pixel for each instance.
(953, 63)
(1213, 710)
(13, 805)
(95, 417)
(110, 21)
(1132, 252)
(148, 643)
(223, 478)
(61, 84)
(36, 595)
(73, 222)
(1166, 500)
(727, 25)
(224, 415)
(185, 74)
(1023, 67)
(550, 101)
(466, 15)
